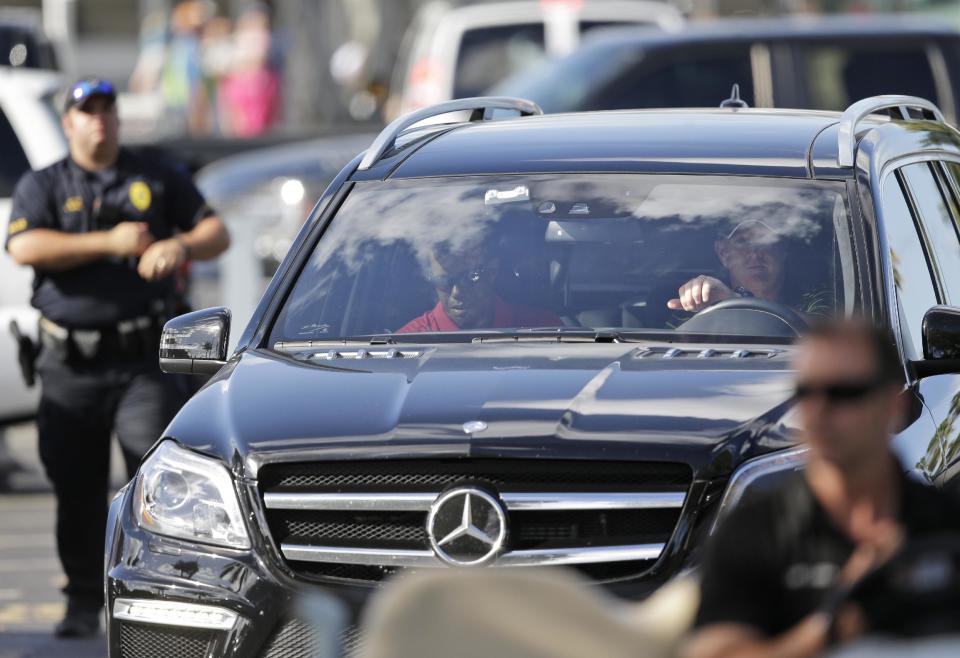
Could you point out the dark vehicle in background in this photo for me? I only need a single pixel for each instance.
(23, 42)
(355, 433)
(457, 52)
(823, 63)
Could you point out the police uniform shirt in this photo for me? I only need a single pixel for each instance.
(773, 561)
(64, 197)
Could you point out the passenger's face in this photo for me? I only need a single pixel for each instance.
(844, 430)
(754, 258)
(92, 125)
(464, 285)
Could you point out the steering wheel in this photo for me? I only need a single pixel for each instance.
(748, 316)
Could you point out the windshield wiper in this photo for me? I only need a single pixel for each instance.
(525, 335)
(554, 335)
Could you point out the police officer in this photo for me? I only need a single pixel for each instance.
(106, 231)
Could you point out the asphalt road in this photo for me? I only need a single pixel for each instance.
(30, 574)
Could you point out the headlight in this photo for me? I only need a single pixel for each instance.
(181, 494)
(758, 475)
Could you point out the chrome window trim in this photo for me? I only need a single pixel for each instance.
(879, 179)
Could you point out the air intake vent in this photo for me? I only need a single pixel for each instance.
(672, 352)
(333, 355)
(294, 638)
(142, 641)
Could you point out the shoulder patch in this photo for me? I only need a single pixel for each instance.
(17, 225)
(73, 204)
(140, 195)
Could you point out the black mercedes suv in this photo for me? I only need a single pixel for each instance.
(476, 354)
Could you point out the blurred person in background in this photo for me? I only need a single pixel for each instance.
(104, 229)
(182, 83)
(250, 93)
(148, 70)
(216, 58)
(777, 574)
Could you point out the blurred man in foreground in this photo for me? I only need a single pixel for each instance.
(776, 571)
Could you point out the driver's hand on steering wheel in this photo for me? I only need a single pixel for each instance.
(700, 292)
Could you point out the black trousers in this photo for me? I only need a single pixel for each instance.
(80, 408)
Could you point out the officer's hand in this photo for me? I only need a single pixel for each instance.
(700, 292)
(129, 239)
(161, 259)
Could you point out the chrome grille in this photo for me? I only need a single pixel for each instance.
(364, 520)
(406, 476)
(294, 638)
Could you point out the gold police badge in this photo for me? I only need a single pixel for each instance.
(140, 195)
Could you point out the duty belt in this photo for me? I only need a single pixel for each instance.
(138, 336)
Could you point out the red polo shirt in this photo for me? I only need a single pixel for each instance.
(504, 315)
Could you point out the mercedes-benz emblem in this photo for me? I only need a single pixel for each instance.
(467, 527)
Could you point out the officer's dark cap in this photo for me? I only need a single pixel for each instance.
(81, 90)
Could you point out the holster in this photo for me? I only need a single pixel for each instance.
(27, 351)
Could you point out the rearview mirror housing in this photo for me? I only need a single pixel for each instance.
(196, 343)
(941, 342)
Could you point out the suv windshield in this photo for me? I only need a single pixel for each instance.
(468, 255)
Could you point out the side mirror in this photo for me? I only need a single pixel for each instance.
(196, 343)
(941, 342)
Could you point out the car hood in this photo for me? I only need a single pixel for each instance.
(709, 409)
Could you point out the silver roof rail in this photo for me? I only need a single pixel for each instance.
(481, 109)
(847, 133)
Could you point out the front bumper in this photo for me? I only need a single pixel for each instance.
(217, 601)
(167, 597)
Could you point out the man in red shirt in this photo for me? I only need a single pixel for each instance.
(464, 280)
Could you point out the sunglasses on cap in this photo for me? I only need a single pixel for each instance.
(471, 277)
(84, 89)
(848, 392)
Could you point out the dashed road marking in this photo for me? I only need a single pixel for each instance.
(25, 541)
(21, 615)
(28, 564)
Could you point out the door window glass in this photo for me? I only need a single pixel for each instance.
(911, 272)
(697, 78)
(488, 55)
(938, 224)
(841, 74)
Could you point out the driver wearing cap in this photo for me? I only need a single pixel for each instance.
(753, 255)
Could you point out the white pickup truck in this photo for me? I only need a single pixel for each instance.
(30, 137)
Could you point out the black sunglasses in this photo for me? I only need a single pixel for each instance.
(840, 392)
(447, 282)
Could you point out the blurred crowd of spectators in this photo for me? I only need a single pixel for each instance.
(213, 75)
